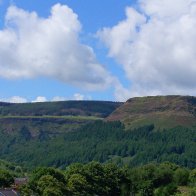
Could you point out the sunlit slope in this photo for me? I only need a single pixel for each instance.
(162, 111)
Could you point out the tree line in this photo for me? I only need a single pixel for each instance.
(107, 179)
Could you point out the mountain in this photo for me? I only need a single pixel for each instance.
(52, 117)
(142, 130)
(59, 108)
(162, 111)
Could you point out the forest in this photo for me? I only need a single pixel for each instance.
(101, 141)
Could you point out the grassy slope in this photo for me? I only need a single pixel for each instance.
(162, 111)
(69, 117)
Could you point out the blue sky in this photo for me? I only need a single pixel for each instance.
(93, 15)
(92, 49)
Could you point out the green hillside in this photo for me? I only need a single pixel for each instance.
(52, 117)
(61, 108)
(162, 111)
(101, 141)
(36, 125)
(142, 130)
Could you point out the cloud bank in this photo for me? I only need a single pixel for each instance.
(31, 46)
(156, 46)
(19, 99)
(14, 99)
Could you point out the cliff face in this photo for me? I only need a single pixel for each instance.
(162, 111)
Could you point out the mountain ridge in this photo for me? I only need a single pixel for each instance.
(59, 108)
(52, 117)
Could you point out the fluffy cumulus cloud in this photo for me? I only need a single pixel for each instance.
(156, 45)
(32, 46)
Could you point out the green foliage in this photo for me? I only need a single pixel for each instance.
(6, 179)
(192, 177)
(52, 191)
(94, 178)
(181, 176)
(103, 142)
(106, 179)
(193, 192)
(48, 185)
(78, 179)
(25, 190)
(14, 169)
(148, 178)
(25, 134)
(169, 190)
(78, 185)
(39, 172)
(45, 181)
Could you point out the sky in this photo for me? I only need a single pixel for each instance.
(96, 50)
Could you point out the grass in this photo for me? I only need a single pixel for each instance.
(161, 121)
(69, 117)
(162, 111)
(50, 124)
(185, 191)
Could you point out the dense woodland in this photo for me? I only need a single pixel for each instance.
(94, 178)
(103, 142)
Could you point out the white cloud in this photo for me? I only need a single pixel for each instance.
(32, 46)
(40, 99)
(78, 96)
(58, 98)
(166, 8)
(18, 99)
(156, 47)
(14, 99)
